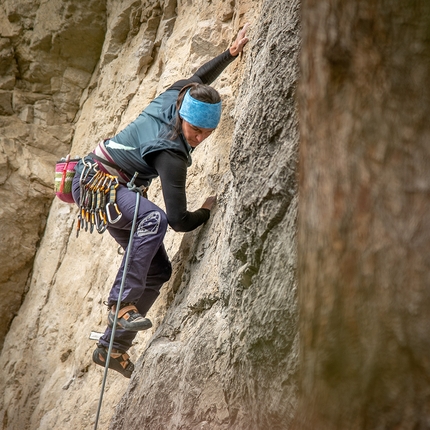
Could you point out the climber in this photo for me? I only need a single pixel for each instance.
(157, 144)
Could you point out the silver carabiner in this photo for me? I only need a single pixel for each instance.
(113, 221)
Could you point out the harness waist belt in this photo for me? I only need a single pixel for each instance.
(107, 164)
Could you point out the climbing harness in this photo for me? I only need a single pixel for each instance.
(139, 192)
(97, 200)
(107, 164)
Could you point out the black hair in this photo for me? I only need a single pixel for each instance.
(204, 93)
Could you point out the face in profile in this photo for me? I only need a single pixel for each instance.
(195, 135)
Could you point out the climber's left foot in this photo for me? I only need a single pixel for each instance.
(129, 318)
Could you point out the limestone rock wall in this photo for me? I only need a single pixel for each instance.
(223, 350)
(48, 52)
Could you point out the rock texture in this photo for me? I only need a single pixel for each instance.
(223, 350)
(364, 230)
(48, 52)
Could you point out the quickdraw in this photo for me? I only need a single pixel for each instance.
(97, 199)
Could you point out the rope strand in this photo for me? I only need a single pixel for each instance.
(131, 187)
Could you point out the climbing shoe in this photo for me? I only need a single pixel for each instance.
(119, 360)
(129, 318)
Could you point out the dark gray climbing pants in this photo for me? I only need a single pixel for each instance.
(148, 264)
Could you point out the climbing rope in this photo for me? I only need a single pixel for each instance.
(131, 187)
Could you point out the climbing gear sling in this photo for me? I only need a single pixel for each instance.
(97, 204)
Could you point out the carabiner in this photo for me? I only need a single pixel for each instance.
(113, 221)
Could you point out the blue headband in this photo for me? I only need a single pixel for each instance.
(200, 114)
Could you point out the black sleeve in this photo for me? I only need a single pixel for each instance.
(172, 169)
(207, 73)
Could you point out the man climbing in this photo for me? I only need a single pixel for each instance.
(157, 144)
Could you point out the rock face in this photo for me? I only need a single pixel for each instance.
(223, 350)
(364, 230)
(43, 74)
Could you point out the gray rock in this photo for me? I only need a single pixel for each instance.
(223, 350)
